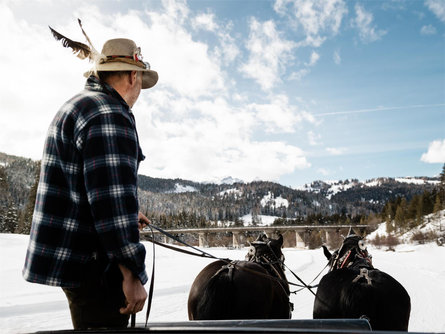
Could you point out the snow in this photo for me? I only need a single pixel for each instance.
(415, 180)
(26, 307)
(230, 180)
(179, 188)
(336, 186)
(236, 192)
(261, 220)
(274, 202)
(434, 222)
(372, 183)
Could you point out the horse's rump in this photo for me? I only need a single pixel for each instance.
(243, 290)
(344, 293)
(253, 289)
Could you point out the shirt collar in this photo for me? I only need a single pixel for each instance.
(94, 84)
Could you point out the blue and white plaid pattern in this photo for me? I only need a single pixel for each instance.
(87, 195)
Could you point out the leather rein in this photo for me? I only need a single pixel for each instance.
(271, 262)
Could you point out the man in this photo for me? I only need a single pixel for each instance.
(84, 236)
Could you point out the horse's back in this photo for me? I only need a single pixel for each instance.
(200, 292)
(381, 299)
(394, 302)
(243, 290)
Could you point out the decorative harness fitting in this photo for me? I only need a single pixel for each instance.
(230, 266)
(363, 274)
(356, 257)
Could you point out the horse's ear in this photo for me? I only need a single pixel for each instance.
(326, 252)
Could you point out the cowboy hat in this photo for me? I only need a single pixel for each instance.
(122, 54)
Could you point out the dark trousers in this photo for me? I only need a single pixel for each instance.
(96, 303)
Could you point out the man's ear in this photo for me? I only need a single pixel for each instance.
(133, 77)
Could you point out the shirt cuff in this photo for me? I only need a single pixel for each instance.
(143, 277)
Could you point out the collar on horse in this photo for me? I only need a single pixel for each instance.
(356, 256)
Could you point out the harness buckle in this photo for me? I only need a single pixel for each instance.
(363, 274)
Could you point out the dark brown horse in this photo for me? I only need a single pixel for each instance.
(355, 289)
(253, 289)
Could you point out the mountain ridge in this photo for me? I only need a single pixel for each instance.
(232, 200)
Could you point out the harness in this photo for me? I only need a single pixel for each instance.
(272, 263)
(268, 261)
(356, 257)
(230, 266)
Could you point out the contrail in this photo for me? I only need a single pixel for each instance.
(378, 109)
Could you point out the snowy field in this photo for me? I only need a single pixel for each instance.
(26, 307)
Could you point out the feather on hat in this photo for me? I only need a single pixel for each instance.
(118, 54)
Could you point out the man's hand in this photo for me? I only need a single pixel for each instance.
(134, 292)
(142, 221)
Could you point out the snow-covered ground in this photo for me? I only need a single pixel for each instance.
(26, 307)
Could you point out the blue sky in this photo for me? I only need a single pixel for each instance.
(286, 91)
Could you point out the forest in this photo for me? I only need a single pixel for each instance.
(185, 204)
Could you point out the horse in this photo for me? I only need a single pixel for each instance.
(256, 288)
(353, 288)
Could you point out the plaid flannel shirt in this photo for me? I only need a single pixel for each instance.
(86, 200)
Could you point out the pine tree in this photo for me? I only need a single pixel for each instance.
(441, 186)
(400, 217)
(10, 220)
(428, 203)
(419, 213)
(437, 204)
(26, 217)
(7, 222)
(412, 207)
(442, 176)
(389, 225)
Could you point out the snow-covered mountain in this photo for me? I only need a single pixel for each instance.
(233, 199)
(331, 188)
(230, 180)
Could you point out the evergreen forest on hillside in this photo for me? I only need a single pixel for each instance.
(402, 205)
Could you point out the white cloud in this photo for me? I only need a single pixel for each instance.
(435, 153)
(207, 140)
(336, 150)
(428, 30)
(314, 58)
(437, 7)
(176, 10)
(41, 79)
(298, 75)
(187, 125)
(337, 57)
(205, 22)
(314, 138)
(227, 51)
(268, 54)
(316, 17)
(183, 64)
(364, 23)
(278, 115)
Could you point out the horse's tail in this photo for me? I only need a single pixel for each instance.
(217, 296)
